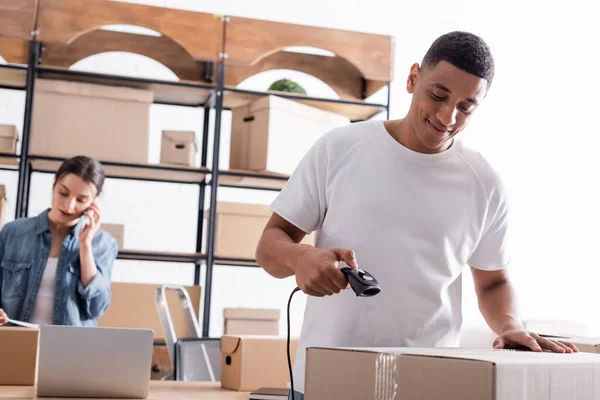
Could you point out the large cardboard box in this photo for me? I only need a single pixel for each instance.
(251, 321)
(450, 374)
(273, 133)
(18, 356)
(8, 139)
(239, 228)
(253, 361)
(133, 305)
(117, 230)
(179, 148)
(105, 122)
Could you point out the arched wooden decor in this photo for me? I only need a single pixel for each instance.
(344, 78)
(14, 50)
(159, 48)
(18, 18)
(248, 41)
(63, 21)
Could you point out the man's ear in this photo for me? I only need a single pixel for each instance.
(413, 77)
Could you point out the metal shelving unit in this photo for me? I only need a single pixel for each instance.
(215, 95)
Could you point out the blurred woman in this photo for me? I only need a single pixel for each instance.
(55, 269)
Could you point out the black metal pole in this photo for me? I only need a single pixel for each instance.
(202, 192)
(389, 96)
(28, 171)
(35, 49)
(214, 182)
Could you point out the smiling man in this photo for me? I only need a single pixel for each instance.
(408, 202)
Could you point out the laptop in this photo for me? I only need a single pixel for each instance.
(94, 362)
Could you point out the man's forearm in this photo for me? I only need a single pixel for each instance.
(498, 306)
(276, 253)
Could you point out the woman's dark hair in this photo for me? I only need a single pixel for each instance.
(86, 168)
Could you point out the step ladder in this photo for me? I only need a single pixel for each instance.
(166, 322)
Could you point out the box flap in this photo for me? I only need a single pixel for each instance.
(180, 136)
(230, 344)
(295, 108)
(257, 210)
(94, 90)
(8, 131)
(498, 357)
(251, 313)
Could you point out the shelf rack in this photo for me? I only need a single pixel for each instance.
(210, 55)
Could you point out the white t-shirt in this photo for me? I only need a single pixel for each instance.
(43, 309)
(414, 221)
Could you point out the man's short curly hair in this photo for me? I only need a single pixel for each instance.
(465, 51)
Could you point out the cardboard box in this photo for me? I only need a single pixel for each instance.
(239, 228)
(18, 356)
(250, 362)
(2, 205)
(273, 133)
(104, 122)
(133, 305)
(117, 230)
(8, 139)
(450, 374)
(179, 147)
(555, 327)
(161, 362)
(251, 321)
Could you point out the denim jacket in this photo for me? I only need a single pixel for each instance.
(24, 248)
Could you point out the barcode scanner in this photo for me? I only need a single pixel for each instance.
(362, 283)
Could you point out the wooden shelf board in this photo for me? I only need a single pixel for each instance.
(185, 93)
(14, 77)
(354, 110)
(181, 175)
(159, 256)
(264, 180)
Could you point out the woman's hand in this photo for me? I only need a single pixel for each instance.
(92, 225)
(3, 317)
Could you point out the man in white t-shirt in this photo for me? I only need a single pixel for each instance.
(415, 206)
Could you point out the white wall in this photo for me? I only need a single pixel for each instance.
(538, 127)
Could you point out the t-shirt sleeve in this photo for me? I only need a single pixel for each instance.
(303, 200)
(492, 252)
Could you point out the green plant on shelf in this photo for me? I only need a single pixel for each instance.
(287, 85)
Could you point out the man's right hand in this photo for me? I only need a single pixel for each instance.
(317, 272)
(3, 317)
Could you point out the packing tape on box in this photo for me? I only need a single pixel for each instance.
(386, 368)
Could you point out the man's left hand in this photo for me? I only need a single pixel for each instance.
(518, 338)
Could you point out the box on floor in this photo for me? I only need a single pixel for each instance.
(18, 356)
(273, 133)
(239, 227)
(108, 123)
(133, 305)
(450, 374)
(250, 362)
(251, 321)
